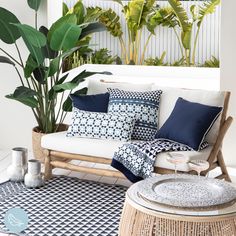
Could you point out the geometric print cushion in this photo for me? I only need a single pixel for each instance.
(101, 125)
(143, 105)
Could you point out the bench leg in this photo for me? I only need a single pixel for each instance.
(222, 165)
(47, 166)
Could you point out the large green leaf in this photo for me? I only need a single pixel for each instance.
(181, 14)
(67, 105)
(34, 41)
(9, 33)
(31, 35)
(30, 66)
(93, 14)
(70, 18)
(54, 66)
(65, 9)
(6, 60)
(79, 11)
(46, 50)
(29, 101)
(185, 24)
(163, 16)
(24, 95)
(52, 92)
(207, 8)
(40, 74)
(112, 23)
(65, 37)
(74, 82)
(92, 28)
(134, 17)
(34, 4)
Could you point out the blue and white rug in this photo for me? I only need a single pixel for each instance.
(66, 206)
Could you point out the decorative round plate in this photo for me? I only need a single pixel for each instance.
(187, 191)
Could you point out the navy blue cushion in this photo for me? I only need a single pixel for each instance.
(189, 123)
(93, 103)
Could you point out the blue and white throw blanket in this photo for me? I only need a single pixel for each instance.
(136, 159)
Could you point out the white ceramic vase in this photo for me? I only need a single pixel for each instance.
(33, 178)
(18, 167)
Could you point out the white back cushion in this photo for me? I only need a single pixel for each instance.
(170, 96)
(99, 83)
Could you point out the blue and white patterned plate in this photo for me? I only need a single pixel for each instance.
(187, 191)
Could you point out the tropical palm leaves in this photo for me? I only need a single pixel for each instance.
(186, 24)
(207, 8)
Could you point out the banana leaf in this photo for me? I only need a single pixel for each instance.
(79, 11)
(34, 41)
(34, 4)
(9, 33)
(65, 9)
(183, 19)
(92, 28)
(30, 66)
(112, 23)
(65, 37)
(134, 17)
(70, 18)
(46, 50)
(24, 95)
(207, 8)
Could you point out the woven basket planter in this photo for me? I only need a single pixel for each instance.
(36, 141)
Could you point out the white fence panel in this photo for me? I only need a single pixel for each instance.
(165, 38)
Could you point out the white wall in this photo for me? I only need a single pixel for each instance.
(16, 120)
(228, 73)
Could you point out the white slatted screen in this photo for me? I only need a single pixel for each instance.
(165, 39)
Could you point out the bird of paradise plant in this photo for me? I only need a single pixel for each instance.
(42, 86)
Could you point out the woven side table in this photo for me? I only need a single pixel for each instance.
(142, 218)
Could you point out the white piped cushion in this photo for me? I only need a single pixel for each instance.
(106, 148)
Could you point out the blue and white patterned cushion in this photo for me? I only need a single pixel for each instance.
(143, 105)
(101, 125)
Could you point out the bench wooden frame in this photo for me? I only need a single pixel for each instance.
(56, 159)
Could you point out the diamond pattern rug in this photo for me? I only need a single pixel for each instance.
(66, 206)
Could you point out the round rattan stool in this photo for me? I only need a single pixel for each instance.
(143, 218)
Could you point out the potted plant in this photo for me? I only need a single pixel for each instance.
(42, 87)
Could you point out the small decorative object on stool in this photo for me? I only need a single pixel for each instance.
(18, 167)
(33, 178)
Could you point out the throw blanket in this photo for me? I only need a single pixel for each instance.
(136, 159)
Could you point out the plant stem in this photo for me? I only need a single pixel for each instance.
(21, 80)
(145, 49)
(36, 20)
(180, 43)
(138, 45)
(124, 50)
(187, 56)
(60, 106)
(195, 45)
(18, 51)
(10, 57)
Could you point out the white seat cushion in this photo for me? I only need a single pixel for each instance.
(106, 148)
(83, 146)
